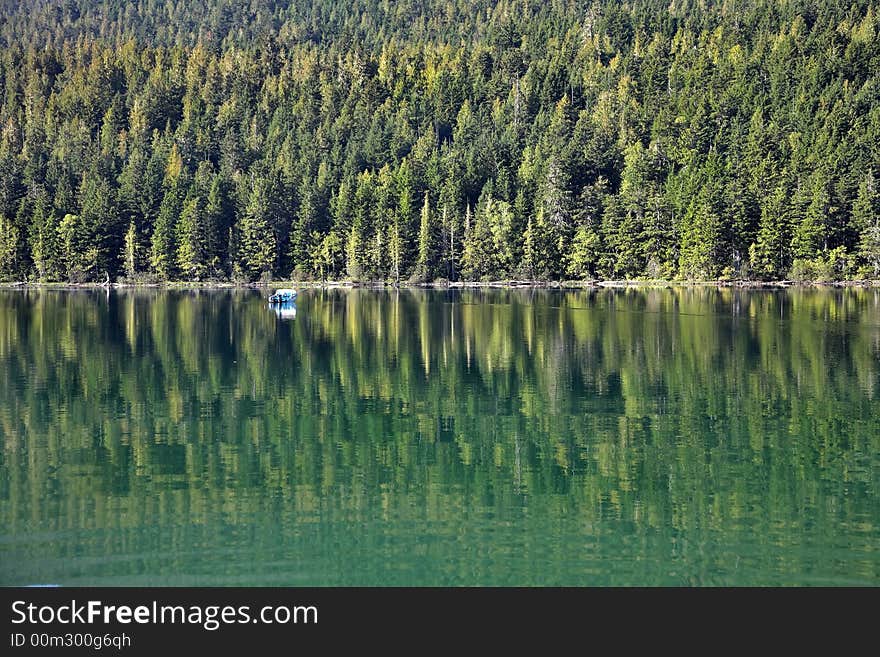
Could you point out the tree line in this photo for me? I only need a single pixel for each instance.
(452, 140)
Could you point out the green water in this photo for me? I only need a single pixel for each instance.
(519, 437)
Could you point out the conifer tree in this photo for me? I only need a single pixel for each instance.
(424, 264)
(768, 254)
(256, 251)
(866, 216)
(164, 239)
(9, 238)
(130, 251)
(191, 238)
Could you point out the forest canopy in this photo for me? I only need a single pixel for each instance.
(439, 139)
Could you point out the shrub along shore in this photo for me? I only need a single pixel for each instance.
(501, 284)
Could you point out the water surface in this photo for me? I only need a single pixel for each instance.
(522, 437)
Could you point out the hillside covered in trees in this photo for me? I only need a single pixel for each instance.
(454, 139)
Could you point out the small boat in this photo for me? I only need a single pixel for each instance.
(283, 296)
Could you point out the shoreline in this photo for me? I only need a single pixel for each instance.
(498, 284)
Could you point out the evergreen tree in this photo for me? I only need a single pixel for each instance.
(810, 234)
(585, 252)
(556, 219)
(476, 255)
(9, 238)
(191, 239)
(768, 255)
(866, 216)
(44, 243)
(529, 264)
(424, 265)
(395, 249)
(704, 233)
(164, 240)
(257, 247)
(100, 221)
(78, 254)
(130, 252)
(218, 218)
(354, 251)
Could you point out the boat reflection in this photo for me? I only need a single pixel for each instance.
(284, 310)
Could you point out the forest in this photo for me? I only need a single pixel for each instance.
(439, 140)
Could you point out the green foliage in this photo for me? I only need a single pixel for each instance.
(425, 267)
(811, 233)
(769, 253)
(617, 140)
(866, 217)
(9, 238)
(257, 248)
(191, 236)
(44, 246)
(130, 251)
(325, 254)
(353, 252)
(584, 254)
(488, 244)
(99, 221)
(78, 255)
(164, 241)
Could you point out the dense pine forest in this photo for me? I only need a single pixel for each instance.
(439, 139)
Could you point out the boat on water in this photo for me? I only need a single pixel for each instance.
(283, 296)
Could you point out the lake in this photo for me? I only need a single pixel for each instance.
(687, 436)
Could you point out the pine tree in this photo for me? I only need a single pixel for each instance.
(705, 242)
(359, 243)
(582, 260)
(191, 239)
(617, 236)
(395, 249)
(9, 238)
(164, 239)
(699, 256)
(354, 251)
(478, 260)
(331, 251)
(78, 254)
(810, 235)
(99, 220)
(317, 258)
(218, 217)
(585, 251)
(866, 217)
(44, 242)
(130, 252)
(405, 211)
(768, 255)
(557, 219)
(424, 264)
(499, 216)
(530, 251)
(304, 223)
(628, 140)
(257, 246)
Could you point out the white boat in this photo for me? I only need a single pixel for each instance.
(283, 296)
